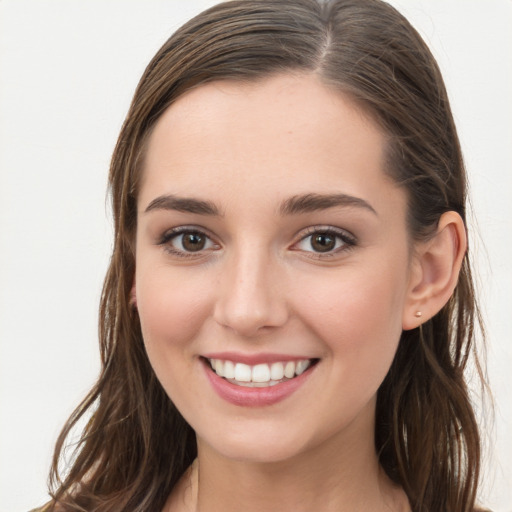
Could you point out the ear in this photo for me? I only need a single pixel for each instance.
(435, 270)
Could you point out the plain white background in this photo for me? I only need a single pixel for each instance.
(68, 70)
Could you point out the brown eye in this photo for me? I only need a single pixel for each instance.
(185, 241)
(327, 241)
(182, 242)
(323, 242)
(191, 242)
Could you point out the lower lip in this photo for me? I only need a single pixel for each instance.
(255, 397)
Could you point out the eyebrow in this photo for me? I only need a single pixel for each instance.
(183, 204)
(312, 202)
(294, 205)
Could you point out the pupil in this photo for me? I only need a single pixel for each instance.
(323, 242)
(193, 242)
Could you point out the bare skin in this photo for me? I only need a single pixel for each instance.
(259, 284)
(290, 486)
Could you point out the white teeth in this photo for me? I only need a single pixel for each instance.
(259, 375)
(301, 367)
(289, 370)
(255, 384)
(242, 372)
(229, 370)
(277, 371)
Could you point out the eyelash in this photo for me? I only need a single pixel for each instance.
(174, 233)
(348, 241)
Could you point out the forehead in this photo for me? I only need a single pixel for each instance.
(284, 135)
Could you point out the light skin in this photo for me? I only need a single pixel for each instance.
(267, 225)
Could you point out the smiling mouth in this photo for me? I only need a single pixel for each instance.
(259, 375)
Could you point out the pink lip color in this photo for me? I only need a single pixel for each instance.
(253, 359)
(254, 397)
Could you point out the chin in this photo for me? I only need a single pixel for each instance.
(262, 447)
(258, 454)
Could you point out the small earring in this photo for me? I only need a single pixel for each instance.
(418, 314)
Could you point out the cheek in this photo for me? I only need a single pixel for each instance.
(172, 309)
(171, 306)
(359, 318)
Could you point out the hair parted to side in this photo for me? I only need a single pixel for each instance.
(136, 445)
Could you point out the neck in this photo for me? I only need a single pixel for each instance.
(342, 474)
(304, 483)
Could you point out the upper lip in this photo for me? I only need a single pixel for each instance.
(253, 359)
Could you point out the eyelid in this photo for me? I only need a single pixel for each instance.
(168, 235)
(348, 239)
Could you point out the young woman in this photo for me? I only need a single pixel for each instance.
(289, 309)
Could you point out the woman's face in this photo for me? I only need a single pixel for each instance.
(270, 239)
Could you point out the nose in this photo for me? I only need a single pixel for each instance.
(251, 297)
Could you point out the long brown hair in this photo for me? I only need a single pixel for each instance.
(136, 445)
